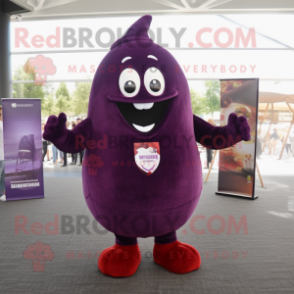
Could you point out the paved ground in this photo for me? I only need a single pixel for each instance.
(260, 261)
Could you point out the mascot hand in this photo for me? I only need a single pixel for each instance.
(55, 128)
(238, 126)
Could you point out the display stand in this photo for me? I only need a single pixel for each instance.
(211, 165)
(22, 141)
(291, 124)
(269, 127)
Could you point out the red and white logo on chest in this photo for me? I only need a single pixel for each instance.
(147, 156)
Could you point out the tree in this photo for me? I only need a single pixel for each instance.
(32, 91)
(18, 89)
(62, 91)
(200, 104)
(213, 96)
(81, 98)
(48, 105)
(48, 99)
(62, 104)
(26, 90)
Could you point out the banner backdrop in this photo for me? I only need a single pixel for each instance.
(22, 149)
(237, 163)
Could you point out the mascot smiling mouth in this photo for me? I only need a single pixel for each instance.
(143, 116)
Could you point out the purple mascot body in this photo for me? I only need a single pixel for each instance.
(142, 173)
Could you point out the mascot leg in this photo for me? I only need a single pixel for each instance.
(122, 259)
(175, 256)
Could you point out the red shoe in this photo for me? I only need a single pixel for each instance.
(120, 260)
(177, 257)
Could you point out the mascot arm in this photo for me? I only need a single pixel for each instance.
(69, 141)
(217, 138)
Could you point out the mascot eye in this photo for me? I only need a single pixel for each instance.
(154, 81)
(155, 85)
(130, 87)
(129, 82)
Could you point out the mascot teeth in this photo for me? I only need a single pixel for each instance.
(144, 129)
(141, 106)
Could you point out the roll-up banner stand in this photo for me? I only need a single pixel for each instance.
(237, 163)
(22, 138)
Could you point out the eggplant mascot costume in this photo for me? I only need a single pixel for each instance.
(142, 173)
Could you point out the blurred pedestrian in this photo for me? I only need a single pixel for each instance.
(44, 145)
(209, 151)
(292, 142)
(288, 147)
(273, 141)
(54, 154)
(73, 155)
(65, 154)
(78, 120)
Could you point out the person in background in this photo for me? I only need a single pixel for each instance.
(45, 145)
(292, 142)
(54, 154)
(49, 150)
(273, 141)
(65, 154)
(288, 146)
(2, 171)
(60, 155)
(73, 155)
(209, 151)
(267, 140)
(78, 120)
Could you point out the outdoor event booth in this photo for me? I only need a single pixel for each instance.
(271, 103)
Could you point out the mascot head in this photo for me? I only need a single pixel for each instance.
(139, 89)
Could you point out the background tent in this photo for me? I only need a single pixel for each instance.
(276, 101)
